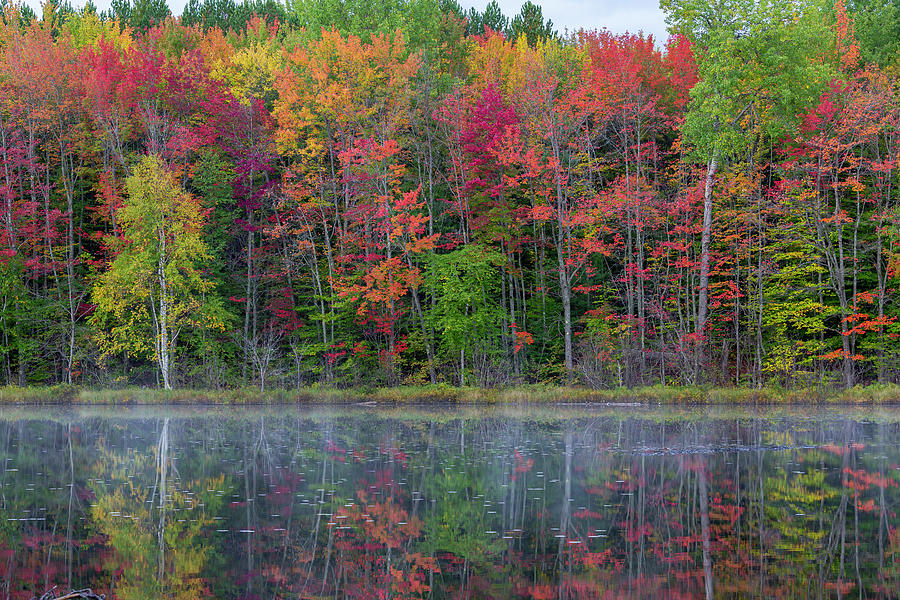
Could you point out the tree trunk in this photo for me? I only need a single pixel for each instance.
(162, 344)
(565, 293)
(703, 300)
(703, 295)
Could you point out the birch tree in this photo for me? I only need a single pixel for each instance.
(759, 64)
(155, 286)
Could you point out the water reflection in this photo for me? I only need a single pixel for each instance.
(615, 503)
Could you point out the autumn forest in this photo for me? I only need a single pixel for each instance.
(335, 192)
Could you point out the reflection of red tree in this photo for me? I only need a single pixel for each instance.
(861, 480)
(371, 539)
(33, 566)
(523, 465)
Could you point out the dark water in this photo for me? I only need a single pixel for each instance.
(567, 502)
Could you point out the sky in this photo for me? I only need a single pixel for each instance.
(618, 16)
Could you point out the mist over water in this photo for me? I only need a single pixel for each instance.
(624, 502)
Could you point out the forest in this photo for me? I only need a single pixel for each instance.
(404, 192)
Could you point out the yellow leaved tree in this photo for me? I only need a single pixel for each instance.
(155, 287)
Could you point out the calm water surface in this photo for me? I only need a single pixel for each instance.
(550, 502)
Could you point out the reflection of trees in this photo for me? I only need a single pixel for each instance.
(695, 518)
(703, 496)
(41, 496)
(157, 526)
(457, 522)
(374, 507)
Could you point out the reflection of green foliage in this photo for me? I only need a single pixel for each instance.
(792, 505)
(459, 524)
(802, 492)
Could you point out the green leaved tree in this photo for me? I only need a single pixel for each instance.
(760, 64)
(467, 315)
(139, 14)
(530, 23)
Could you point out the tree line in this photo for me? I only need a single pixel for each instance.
(405, 192)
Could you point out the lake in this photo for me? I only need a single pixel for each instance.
(449, 502)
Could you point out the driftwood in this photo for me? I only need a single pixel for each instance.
(85, 594)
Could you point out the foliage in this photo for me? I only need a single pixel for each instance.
(356, 194)
(154, 287)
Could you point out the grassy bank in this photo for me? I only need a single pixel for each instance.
(674, 395)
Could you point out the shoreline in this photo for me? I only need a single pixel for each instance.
(874, 395)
